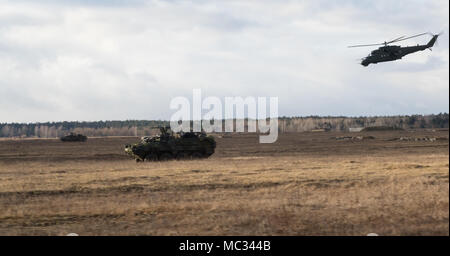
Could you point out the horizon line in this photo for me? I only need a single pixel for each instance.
(161, 120)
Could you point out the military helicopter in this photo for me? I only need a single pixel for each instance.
(394, 52)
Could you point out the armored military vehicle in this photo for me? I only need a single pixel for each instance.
(167, 146)
(71, 137)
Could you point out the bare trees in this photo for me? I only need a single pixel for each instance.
(285, 124)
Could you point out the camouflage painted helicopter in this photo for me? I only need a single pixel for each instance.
(394, 52)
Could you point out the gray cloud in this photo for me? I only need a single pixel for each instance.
(90, 60)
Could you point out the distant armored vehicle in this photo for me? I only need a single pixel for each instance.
(167, 146)
(71, 137)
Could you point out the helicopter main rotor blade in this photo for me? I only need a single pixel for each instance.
(409, 37)
(395, 40)
(402, 38)
(363, 45)
(385, 43)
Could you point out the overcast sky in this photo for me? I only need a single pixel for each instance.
(118, 60)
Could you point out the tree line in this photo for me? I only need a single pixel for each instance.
(302, 124)
(285, 124)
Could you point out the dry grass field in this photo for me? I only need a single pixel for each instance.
(305, 184)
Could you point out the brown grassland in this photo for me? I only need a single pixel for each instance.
(304, 184)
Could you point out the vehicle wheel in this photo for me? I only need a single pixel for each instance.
(183, 156)
(197, 155)
(138, 160)
(151, 158)
(165, 157)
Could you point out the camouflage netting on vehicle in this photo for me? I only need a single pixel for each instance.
(167, 146)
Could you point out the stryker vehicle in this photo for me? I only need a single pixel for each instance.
(167, 146)
(71, 137)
